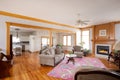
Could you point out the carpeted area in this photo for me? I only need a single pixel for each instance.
(66, 71)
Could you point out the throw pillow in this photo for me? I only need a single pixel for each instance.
(47, 52)
(58, 50)
(42, 51)
(52, 51)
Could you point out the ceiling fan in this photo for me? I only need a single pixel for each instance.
(80, 22)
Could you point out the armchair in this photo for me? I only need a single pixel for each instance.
(5, 65)
(9, 58)
(115, 54)
(78, 51)
(18, 50)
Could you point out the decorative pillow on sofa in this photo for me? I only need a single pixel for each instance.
(58, 50)
(47, 52)
(52, 51)
(43, 50)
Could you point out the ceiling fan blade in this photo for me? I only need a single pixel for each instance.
(80, 22)
(85, 23)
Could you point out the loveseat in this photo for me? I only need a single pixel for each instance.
(51, 56)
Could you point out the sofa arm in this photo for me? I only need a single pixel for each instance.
(47, 59)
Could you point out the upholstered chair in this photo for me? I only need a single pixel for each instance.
(18, 50)
(78, 51)
(5, 65)
(115, 54)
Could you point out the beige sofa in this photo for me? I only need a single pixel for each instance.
(51, 56)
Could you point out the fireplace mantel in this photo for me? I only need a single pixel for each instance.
(108, 37)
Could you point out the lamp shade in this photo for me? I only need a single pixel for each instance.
(117, 45)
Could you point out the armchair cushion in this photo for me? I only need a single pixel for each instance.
(47, 52)
(52, 51)
(77, 50)
(79, 54)
(58, 50)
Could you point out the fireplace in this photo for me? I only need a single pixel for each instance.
(103, 49)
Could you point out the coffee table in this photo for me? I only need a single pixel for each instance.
(71, 58)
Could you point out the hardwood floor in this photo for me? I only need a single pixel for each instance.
(27, 67)
(108, 64)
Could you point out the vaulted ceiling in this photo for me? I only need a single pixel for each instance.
(65, 11)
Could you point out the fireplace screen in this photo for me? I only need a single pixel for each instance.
(103, 50)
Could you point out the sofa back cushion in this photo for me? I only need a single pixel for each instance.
(52, 51)
(47, 52)
(44, 51)
(58, 50)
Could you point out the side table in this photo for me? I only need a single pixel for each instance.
(71, 58)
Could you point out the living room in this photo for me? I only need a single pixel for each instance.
(93, 24)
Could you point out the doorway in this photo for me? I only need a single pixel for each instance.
(45, 41)
(50, 30)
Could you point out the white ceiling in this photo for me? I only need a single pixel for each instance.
(65, 11)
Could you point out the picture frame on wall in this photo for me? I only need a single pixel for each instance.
(102, 32)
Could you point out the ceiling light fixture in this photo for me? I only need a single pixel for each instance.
(80, 23)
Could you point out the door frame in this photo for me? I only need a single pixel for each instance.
(8, 24)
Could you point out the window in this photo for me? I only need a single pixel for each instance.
(78, 37)
(45, 41)
(64, 40)
(85, 39)
(67, 40)
(16, 39)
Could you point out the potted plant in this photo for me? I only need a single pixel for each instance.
(59, 45)
(86, 51)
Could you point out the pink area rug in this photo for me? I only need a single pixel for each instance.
(66, 71)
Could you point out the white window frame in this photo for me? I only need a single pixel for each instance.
(67, 40)
(84, 35)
